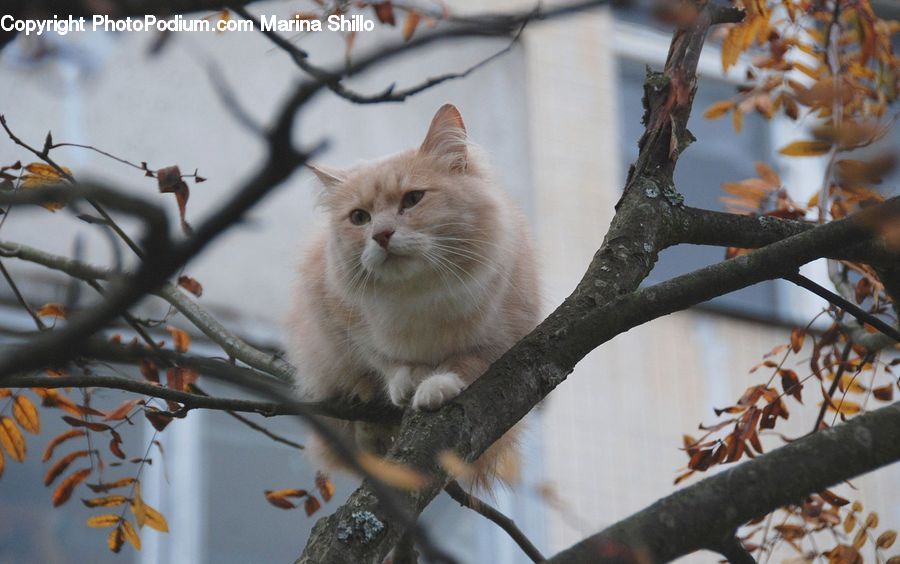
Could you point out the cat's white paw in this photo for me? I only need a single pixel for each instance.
(401, 385)
(436, 390)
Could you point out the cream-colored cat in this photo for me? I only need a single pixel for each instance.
(423, 278)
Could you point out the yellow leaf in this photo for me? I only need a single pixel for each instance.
(718, 109)
(805, 149)
(121, 483)
(131, 535)
(324, 485)
(844, 407)
(115, 540)
(26, 414)
(766, 173)
(105, 520)
(2, 462)
(155, 520)
(11, 439)
(138, 507)
(40, 175)
(52, 310)
(849, 523)
(391, 473)
(106, 501)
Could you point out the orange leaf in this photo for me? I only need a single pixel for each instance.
(62, 464)
(11, 439)
(181, 338)
(324, 485)
(137, 506)
(384, 11)
(766, 173)
(805, 149)
(278, 498)
(409, 28)
(66, 487)
(190, 285)
(311, 505)
(26, 414)
(718, 109)
(58, 439)
(52, 310)
(122, 411)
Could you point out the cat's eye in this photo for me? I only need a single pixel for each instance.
(359, 217)
(411, 198)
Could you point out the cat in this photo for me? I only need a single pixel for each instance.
(423, 277)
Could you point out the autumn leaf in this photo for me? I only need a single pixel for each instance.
(767, 174)
(805, 149)
(12, 440)
(52, 310)
(884, 393)
(66, 487)
(115, 540)
(384, 11)
(844, 407)
(325, 486)
(26, 414)
(130, 534)
(311, 505)
(62, 464)
(102, 488)
(278, 498)
(155, 520)
(158, 419)
(170, 182)
(190, 285)
(182, 341)
(105, 501)
(409, 28)
(123, 410)
(105, 520)
(92, 425)
(59, 439)
(138, 509)
(797, 338)
(40, 175)
(718, 109)
(886, 539)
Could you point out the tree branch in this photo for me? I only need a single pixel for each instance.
(466, 499)
(846, 305)
(697, 516)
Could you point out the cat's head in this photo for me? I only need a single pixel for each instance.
(425, 212)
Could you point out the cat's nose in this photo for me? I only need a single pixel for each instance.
(383, 237)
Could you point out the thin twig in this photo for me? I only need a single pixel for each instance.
(21, 299)
(466, 499)
(846, 305)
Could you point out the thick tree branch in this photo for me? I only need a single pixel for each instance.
(697, 516)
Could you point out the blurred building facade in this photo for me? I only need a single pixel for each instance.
(560, 115)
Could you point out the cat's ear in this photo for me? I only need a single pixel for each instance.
(446, 138)
(329, 177)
